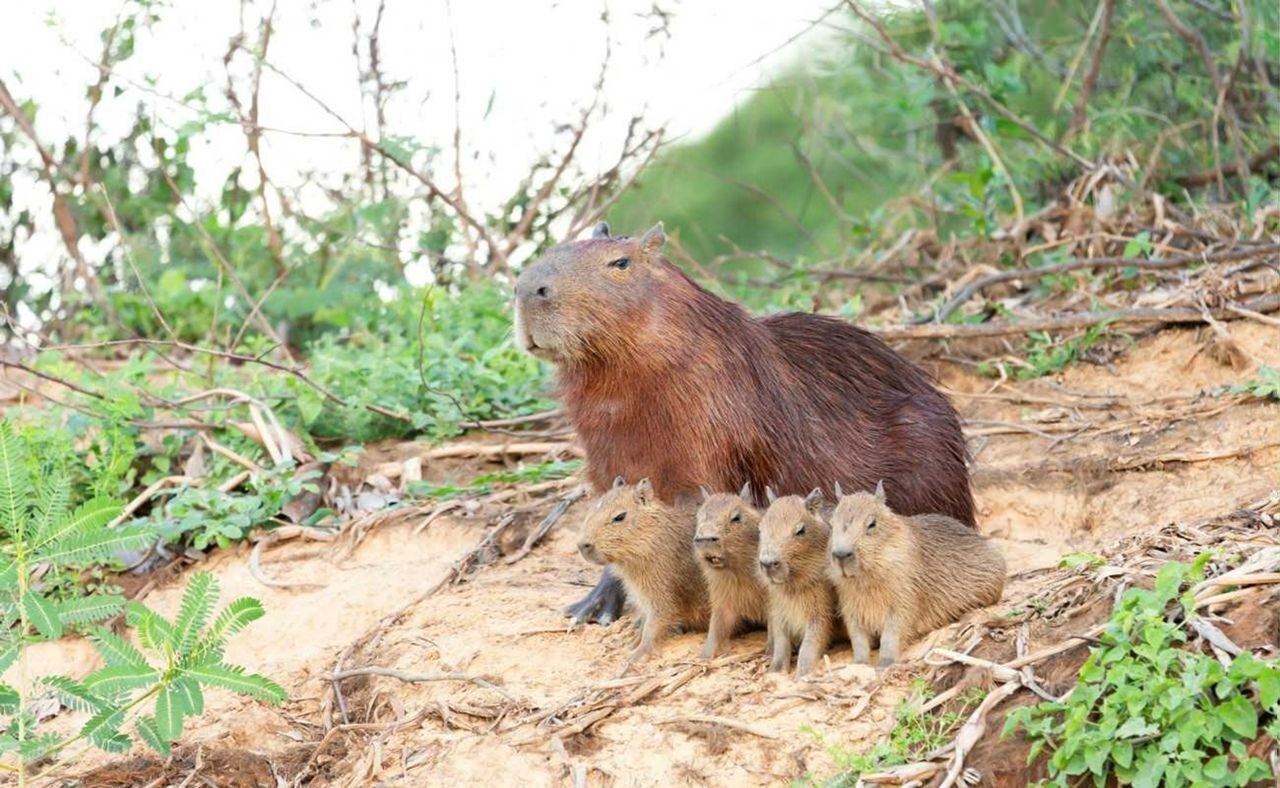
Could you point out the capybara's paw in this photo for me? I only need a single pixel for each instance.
(602, 606)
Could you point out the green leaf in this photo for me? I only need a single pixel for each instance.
(169, 712)
(1269, 686)
(42, 614)
(1239, 715)
(8, 699)
(193, 613)
(88, 518)
(94, 546)
(153, 631)
(150, 733)
(15, 481)
(191, 696)
(234, 678)
(8, 654)
(115, 650)
(103, 729)
(89, 609)
(73, 694)
(1217, 769)
(121, 678)
(233, 618)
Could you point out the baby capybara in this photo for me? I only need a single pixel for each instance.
(726, 543)
(648, 542)
(793, 561)
(902, 577)
(663, 379)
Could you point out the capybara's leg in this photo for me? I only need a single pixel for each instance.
(768, 638)
(781, 648)
(654, 628)
(719, 630)
(603, 605)
(860, 641)
(817, 636)
(890, 640)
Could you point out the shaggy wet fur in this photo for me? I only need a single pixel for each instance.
(902, 577)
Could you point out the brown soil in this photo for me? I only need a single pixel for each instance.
(1122, 457)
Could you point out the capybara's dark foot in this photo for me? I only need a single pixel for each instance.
(603, 605)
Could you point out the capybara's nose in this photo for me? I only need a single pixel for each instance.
(586, 548)
(768, 564)
(841, 554)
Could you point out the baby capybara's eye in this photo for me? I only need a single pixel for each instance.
(622, 263)
(619, 517)
(737, 517)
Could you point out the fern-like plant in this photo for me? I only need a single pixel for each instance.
(41, 533)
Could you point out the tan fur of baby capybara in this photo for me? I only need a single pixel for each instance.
(793, 560)
(649, 543)
(726, 544)
(902, 577)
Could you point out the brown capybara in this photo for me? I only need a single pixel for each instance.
(793, 565)
(902, 577)
(648, 542)
(663, 379)
(726, 543)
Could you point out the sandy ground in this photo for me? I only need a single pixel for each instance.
(1123, 447)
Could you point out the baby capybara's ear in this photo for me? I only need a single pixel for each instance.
(706, 496)
(769, 494)
(618, 481)
(653, 239)
(644, 491)
(745, 492)
(839, 492)
(601, 230)
(813, 501)
(880, 491)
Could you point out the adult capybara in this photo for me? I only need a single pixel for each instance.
(662, 379)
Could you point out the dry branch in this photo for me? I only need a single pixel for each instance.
(413, 678)
(1136, 316)
(978, 285)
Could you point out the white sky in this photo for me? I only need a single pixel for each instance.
(537, 59)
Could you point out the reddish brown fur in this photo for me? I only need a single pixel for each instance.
(663, 379)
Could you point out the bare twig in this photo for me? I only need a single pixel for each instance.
(1080, 115)
(547, 523)
(724, 722)
(414, 678)
(977, 285)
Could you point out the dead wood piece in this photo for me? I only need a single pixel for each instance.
(414, 678)
(1078, 320)
(725, 722)
(547, 523)
(500, 450)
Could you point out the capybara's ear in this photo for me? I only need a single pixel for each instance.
(653, 239)
(644, 491)
(839, 492)
(769, 494)
(880, 491)
(745, 492)
(813, 501)
(705, 495)
(618, 481)
(601, 230)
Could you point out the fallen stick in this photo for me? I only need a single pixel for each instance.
(500, 449)
(547, 524)
(709, 719)
(1156, 264)
(1137, 316)
(415, 678)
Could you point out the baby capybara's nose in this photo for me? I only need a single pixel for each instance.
(768, 564)
(841, 555)
(532, 286)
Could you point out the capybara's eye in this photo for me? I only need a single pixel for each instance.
(622, 263)
(871, 523)
(800, 530)
(619, 517)
(737, 517)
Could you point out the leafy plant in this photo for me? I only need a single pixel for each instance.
(914, 734)
(44, 531)
(1147, 710)
(554, 469)
(1265, 386)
